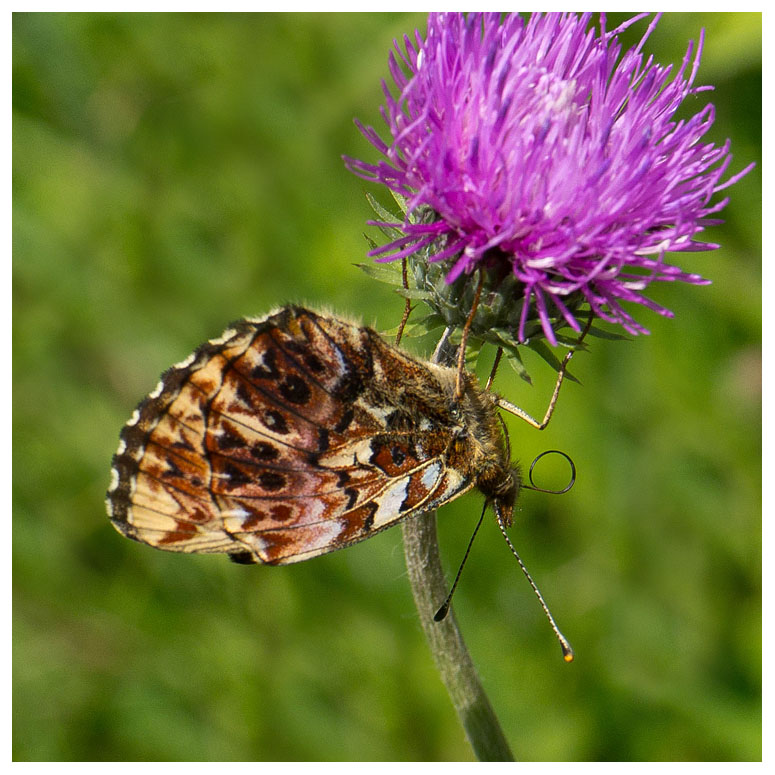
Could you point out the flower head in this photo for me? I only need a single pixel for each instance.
(535, 149)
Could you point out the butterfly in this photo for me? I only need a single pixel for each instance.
(299, 433)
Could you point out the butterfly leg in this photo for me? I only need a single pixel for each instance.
(407, 305)
(515, 410)
(494, 370)
(461, 354)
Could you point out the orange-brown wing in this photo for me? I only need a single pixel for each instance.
(265, 444)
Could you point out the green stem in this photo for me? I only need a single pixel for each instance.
(453, 661)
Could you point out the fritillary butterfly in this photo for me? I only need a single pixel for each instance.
(297, 434)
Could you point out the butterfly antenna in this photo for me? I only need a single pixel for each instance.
(567, 651)
(571, 481)
(461, 354)
(444, 610)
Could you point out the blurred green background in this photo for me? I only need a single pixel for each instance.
(175, 172)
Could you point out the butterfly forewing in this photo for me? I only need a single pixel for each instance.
(291, 436)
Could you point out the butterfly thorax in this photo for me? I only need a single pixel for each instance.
(479, 449)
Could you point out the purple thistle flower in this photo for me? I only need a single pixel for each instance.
(536, 146)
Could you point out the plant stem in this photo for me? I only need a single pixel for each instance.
(453, 661)
(429, 587)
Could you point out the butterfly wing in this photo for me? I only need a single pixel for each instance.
(285, 438)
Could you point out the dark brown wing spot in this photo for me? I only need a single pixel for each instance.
(263, 450)
(230, 440)
(294, 389)
(372, 508)
(242, 394)
(275, 422)
(172, 469)
(199, 515)
(352, 496)
(255, 518)
(271, 480)
(282, 512)
(236, 476)
(311, 361)
(398, 455)
(268, 368)
(184, 531)
(344, 421)
(356, 523)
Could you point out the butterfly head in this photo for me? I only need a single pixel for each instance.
(501, 487)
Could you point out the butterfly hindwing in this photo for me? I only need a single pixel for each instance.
(286, 438)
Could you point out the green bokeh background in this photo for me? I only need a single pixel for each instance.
(174, 172)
